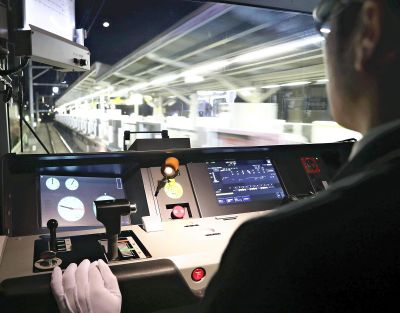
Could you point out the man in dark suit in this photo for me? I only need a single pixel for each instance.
(337, 252)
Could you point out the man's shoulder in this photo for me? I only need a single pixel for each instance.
(377, 148)
(355, 194)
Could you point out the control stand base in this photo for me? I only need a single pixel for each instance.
(93, 247)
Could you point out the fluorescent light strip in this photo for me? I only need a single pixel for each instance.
(164, 79)
(207, 68)
(293, 84)
(278, 49)
(247, 89)
(192, 79)
(271, 86)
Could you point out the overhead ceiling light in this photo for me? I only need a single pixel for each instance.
(270, 86)
(193, 79)
(322, 81)
(106, 24)
(164, 79)
(247, 89)
(210, 92)
(295, 84)
(139, 86)
(278, 49)
(56, 89)
(207, 68)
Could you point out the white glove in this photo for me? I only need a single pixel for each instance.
(87, 288)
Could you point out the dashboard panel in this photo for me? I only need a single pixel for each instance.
(212, 182)
(196, 211)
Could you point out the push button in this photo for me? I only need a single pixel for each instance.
(178, 212)
(198, 274)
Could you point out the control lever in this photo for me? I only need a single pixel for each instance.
(48, 258)
(52, 226)
(109, 213)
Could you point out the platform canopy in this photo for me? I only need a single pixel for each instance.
(218, 47)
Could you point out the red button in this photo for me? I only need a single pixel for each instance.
(198, 274)
(178, 212)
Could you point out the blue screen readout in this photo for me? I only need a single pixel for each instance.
(242, 181)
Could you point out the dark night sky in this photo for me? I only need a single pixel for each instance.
(132, 24)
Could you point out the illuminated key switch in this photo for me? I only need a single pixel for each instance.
(198, 274)
(178, 212)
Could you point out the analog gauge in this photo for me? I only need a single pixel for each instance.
(71, 209)
(101, 198)
(173, 189)
(52, 183)
(72, 184)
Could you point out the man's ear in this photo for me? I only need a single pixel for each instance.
(368, 34)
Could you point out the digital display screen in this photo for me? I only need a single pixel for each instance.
(244, 181)
(70, 200)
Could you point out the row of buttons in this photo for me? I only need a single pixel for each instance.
(231, 200)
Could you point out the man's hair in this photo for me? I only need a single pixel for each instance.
(348, 23)
(349, 20)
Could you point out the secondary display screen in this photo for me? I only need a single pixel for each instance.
(69, 200)
(243, 181)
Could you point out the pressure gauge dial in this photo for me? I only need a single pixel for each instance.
(52, 183)
(71, 209)
(71, 184)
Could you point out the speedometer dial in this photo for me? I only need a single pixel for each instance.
(71, 209)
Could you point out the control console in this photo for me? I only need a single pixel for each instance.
(159, 218)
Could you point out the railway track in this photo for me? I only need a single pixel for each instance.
(57, 143)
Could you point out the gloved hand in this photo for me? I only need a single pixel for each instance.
(87, 288)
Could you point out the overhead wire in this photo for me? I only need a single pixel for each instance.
(96, 16)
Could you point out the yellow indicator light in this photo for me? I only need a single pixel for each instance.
(173, 189)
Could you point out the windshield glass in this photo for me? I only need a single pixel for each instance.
(223, 75)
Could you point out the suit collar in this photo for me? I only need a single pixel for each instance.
(376, 144)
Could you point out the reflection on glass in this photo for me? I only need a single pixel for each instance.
(228, 76)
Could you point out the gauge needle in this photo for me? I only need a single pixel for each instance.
(67, 207)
